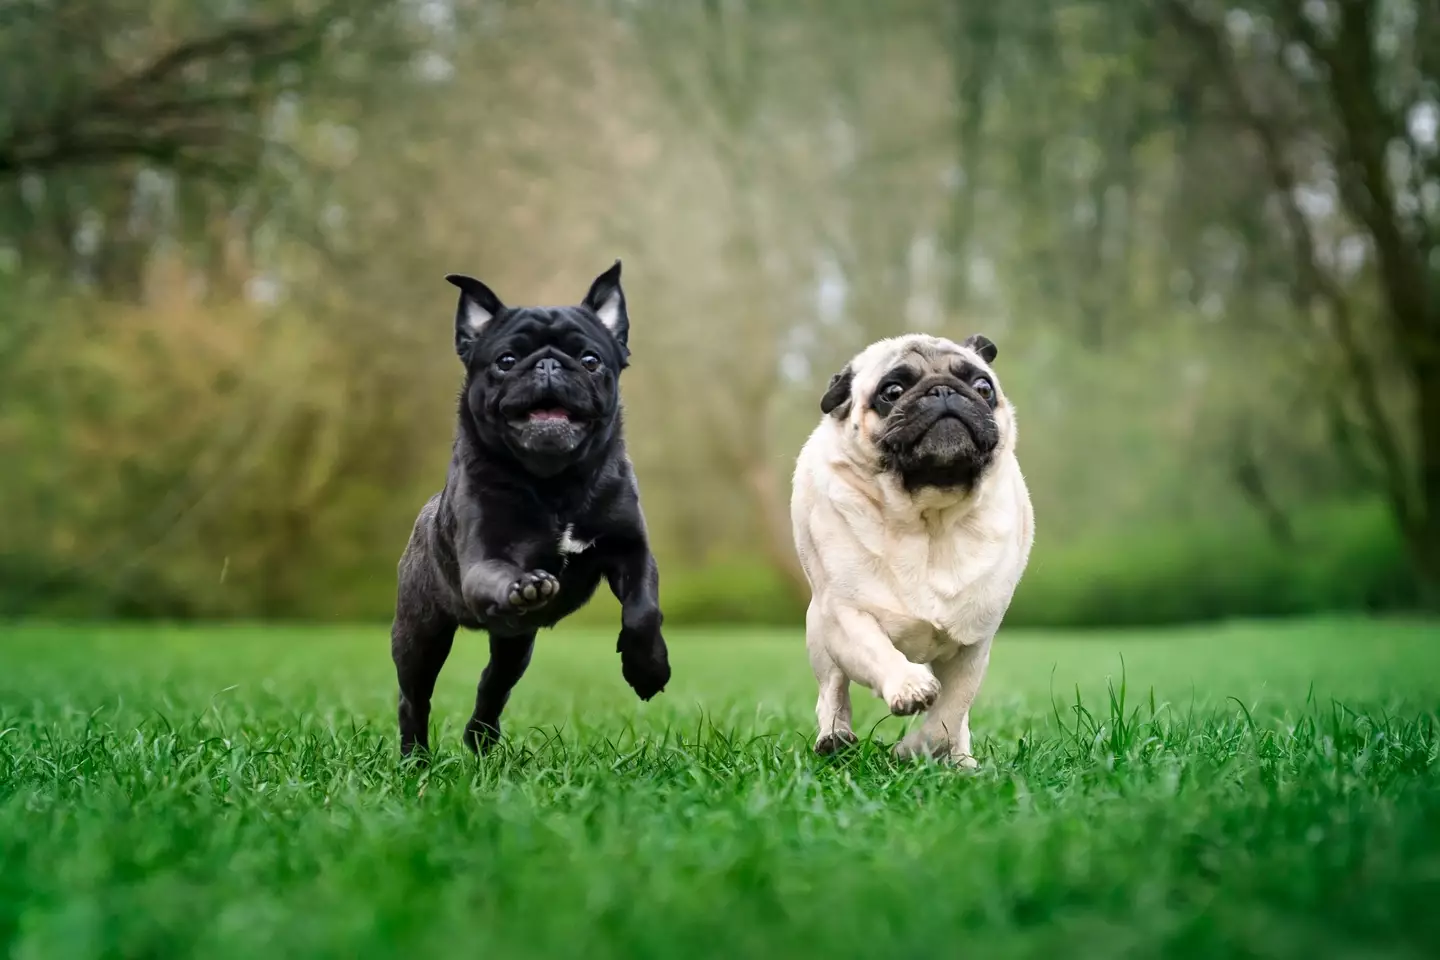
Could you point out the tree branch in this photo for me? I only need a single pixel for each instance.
(1312, 281)
(1367, 129)
(147, 113)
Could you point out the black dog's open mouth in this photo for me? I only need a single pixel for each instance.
(548, 416)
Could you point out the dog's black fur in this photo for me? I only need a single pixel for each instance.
(539, 504)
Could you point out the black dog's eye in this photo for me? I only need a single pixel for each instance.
(892, 393)
(590, 362)
(985, 388)
(505, 361)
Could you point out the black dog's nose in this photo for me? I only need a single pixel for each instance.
(548, 367)
(940, 391)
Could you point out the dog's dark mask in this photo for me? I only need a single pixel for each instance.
(542, 383)
(939, 427)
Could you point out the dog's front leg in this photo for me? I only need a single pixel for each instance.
(501, 590)
(867, 656)
(946, 731)
(635, 580)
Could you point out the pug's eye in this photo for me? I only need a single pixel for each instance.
(505, 361)
(892, 393)
(590, 362)
(985, 388)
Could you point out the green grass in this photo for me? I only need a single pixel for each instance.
(235, 792)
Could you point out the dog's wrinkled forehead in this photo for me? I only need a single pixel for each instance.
(545, 326)
(482, 321)
(525, 330)
(927, 354)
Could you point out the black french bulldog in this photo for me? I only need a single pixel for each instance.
(540, 502)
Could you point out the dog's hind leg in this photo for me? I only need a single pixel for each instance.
(509, 656)
(945, 733)
(419, 643)
(832, 709)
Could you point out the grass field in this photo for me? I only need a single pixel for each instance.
(1244, 791)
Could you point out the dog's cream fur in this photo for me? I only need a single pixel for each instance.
(908, 590)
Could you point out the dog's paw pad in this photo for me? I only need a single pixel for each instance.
(835, 742)
(531, 591)
(913, 693)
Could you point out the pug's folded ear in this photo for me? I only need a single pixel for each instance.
(837, 394)
(982, 345)
(478, 306)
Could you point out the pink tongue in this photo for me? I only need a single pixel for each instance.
(549, 415)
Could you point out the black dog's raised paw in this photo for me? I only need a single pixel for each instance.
(646, 667)
(530, 591)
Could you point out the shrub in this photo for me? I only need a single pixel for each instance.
(1347, 558)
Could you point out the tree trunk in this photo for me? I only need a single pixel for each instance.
(1423, 532)
(971, 55)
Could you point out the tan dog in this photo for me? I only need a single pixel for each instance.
(914, 525)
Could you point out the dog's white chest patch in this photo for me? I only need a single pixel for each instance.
(569, 545)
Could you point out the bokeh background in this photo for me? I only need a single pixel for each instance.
(1204, 233)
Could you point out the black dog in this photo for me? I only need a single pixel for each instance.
(539, 503)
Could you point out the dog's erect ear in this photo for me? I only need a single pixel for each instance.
(837, 394)
(608, 301)
(478, 306)
(982, 345)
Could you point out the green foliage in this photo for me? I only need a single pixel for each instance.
(1346, 558)
(35, 586)
(237, 793)
(734, 593)
(226, 373)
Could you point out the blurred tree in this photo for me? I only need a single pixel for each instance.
(151, 153)
(717, 61)
(195, 104)
(124, 125)
(1342, 100)
(241, 385)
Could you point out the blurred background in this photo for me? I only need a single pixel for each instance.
(1204, 234)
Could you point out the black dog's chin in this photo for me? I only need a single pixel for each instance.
(550, 424)
(548, 435)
